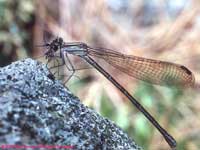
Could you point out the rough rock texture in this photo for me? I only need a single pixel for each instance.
(36, 109)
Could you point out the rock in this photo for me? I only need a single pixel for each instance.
(36, 109)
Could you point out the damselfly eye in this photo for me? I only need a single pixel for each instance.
(47, 45)
(60, 40)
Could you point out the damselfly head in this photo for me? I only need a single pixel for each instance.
(56, 44)
(53, 47)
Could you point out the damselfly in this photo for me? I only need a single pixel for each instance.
(149, 70)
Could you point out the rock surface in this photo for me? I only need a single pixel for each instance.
(36, 109)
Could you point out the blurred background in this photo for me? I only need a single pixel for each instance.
(160, 29)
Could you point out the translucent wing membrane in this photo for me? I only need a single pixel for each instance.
(149, 70)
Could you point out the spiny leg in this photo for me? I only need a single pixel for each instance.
(63, 62)
(72, 69)
(50, 68)
(70, 63)
(63, 57)
(56, 58)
